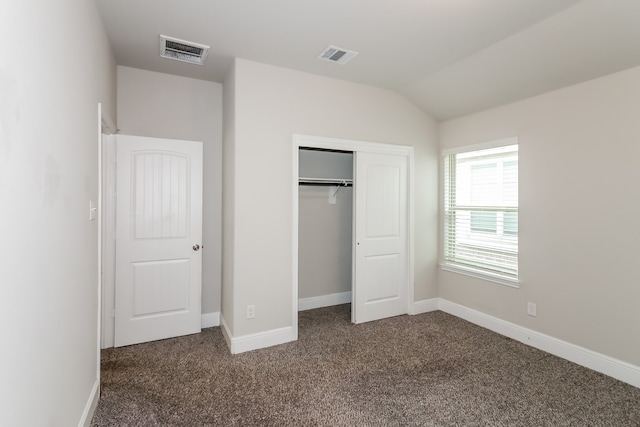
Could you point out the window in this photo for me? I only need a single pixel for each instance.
(481, 212)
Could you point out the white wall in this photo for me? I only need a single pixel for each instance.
(325, 230)
(273, 103)
(48, 174)
(578, 220)
(166, 106)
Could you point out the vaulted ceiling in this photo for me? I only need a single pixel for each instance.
(450, 57)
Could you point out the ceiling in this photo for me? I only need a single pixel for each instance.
(450, 57)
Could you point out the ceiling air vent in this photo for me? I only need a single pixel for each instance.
(337, 55)
(182, 50)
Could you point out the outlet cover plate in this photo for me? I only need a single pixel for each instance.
(532, 309)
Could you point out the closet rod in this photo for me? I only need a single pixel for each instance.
(328, 150)
(342, 182)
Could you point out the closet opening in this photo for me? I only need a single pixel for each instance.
(325, 227)
(352, 228)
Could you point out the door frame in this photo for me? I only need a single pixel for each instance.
(301, 141)
(108, 211)
(106, 127)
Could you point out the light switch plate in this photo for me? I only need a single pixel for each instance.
(93, 210)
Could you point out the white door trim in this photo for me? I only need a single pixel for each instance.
(106, 127)
(354, 146)
(108, 239)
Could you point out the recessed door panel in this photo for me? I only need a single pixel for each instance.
(384, 269)
(383, 204)
(160, 287)
(161, 195)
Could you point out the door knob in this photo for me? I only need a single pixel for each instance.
(196, 247)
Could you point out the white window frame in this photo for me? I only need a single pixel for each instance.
(468, 270)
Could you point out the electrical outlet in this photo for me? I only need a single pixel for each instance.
(251, 312)
(532, 309)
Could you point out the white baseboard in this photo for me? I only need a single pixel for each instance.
(226, 333)
(255, 341)
(90, 407)
(424, 306)
(607, 365)
(209, 320)
(262, 339)
(324, 301)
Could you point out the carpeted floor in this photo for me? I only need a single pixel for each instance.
(426, 370)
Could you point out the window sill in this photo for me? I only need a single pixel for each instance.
(467, 271)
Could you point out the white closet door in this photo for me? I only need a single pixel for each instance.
(381, 243)
(158, 238)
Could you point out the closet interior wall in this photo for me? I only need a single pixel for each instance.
(325, 229)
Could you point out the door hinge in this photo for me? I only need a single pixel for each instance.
(113, 312)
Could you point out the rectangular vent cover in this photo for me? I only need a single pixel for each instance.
(337, 55)
(182, 50)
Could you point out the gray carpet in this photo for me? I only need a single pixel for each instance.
(426, 370)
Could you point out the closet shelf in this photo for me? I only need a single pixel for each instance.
(340, 182)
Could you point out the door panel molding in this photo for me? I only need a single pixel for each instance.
(108, 240)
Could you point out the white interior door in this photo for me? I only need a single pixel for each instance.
(381, 246)
(158, 238)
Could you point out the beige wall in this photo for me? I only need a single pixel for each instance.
(579, 202)
(166, 106)
(228, 197)
(273, 103)
(48, 174)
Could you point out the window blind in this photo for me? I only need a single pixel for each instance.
(481, 210)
